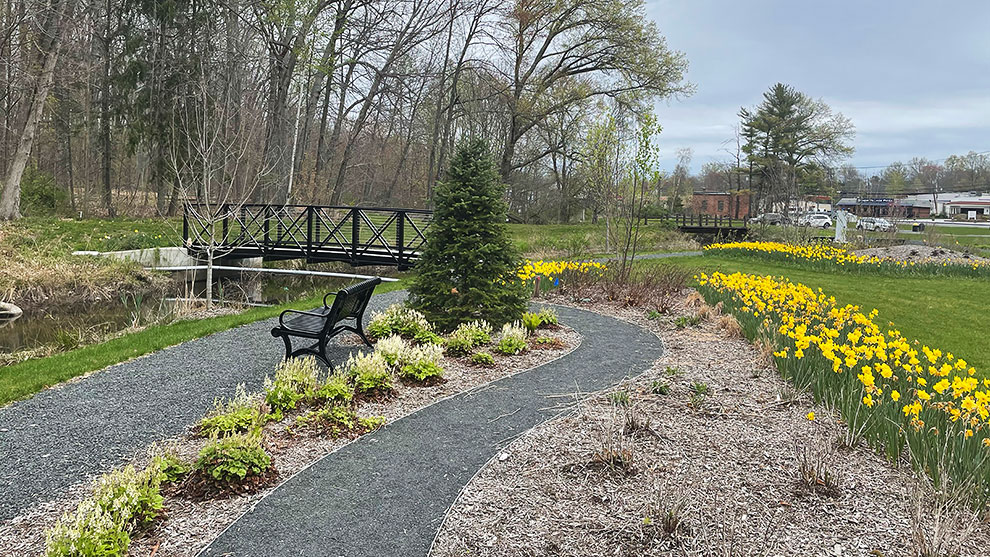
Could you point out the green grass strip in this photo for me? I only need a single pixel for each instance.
(23, 379)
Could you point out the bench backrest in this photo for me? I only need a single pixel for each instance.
(350, 302)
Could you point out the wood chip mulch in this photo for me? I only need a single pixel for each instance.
(191, 522)
(741, 471)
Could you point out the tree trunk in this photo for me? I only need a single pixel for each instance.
(10, 198)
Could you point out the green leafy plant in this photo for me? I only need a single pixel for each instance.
(483, 359)
(548, 317)
(548, 343)
(659, 387)
(391, 349)
(671, 371)
(233, 458)
(131, 496)
(531, 321)
(336, 389)
(295, 379)
(172, 467)
(369, 372)
(512, 340)
(467, 269)
(687, 321)
(700, 388)
(654, 315)
(468, 336)
(427, 337)
(619, 398)
(89, 532)
(422, 363)
(400, 320)
(237, 415)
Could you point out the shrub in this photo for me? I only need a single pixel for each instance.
(468, 267)
(467, 336)
(90, 532)
(422, 363)
(295, 379)
(130, 496)
(483, 359)
(548, 317)
(40, 195)
(232, 459)
(391, 349)
(336, 389)
(531, 321)
(400, 320)
(512, 340)
(369, 372)
(237, 415)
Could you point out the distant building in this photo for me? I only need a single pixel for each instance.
(722, 204)
(972, 207)
(919, 205)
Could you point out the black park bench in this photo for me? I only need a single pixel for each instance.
(323, 324)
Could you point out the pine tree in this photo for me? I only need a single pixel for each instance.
(468, 266)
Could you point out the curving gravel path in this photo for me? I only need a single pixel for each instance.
(387, 493)
(66, 434)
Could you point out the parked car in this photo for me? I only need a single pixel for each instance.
(772, 219)
(819, 220)
(875, 224)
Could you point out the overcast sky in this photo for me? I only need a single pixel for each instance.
(913, 76)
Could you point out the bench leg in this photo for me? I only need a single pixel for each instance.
(360, 331)
(288, 346)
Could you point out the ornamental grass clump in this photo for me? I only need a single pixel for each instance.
(512, 340)
(895, 394)
(233, 459)
(295, 379)
(237, 415)
(468, 336)
(422, 364)
(370, 373)
(400, 320)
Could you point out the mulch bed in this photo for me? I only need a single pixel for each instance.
(197, 511)
(726, 473)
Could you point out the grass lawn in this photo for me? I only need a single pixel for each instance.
(586, 239)
(22, 380)
(946, 313)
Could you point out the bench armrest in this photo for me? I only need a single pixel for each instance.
(281, 316)
(327, 296)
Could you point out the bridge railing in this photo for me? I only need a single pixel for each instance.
(703, 221)
(358, 235)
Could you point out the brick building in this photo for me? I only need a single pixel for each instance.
(723, 204)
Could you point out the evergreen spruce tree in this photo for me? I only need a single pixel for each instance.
(467, 269)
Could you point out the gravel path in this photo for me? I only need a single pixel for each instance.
(386, 493)
(69, 433)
